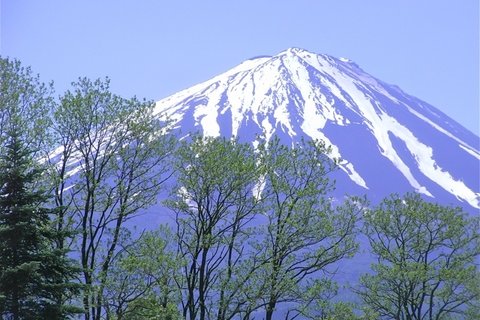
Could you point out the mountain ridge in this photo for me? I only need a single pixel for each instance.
(380, 132)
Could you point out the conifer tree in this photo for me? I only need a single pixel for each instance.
(34, 277)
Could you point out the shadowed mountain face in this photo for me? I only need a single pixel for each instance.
(387, 140)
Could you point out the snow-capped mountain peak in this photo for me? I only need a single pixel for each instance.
(388, 141)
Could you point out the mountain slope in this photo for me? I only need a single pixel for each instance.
(388, 141)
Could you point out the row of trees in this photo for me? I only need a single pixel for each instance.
(254, 232)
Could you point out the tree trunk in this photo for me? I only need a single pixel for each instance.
(270, 309)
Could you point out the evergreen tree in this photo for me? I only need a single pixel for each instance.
(34, 277)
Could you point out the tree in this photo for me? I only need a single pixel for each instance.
(427, 257)
(254, 227)
(304, 232)
(23, 94)
(141, 284)
(214, 202)
(112, 163)
(34, 276)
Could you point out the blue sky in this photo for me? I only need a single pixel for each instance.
(153, 48)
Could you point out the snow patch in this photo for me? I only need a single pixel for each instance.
(276, 93)
(381, 124)
(439, 128)
(474, 153)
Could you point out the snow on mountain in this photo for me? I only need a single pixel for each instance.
(388, 140)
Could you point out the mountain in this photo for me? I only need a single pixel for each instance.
(388, 141)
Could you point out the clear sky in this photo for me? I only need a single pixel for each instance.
(153, 48)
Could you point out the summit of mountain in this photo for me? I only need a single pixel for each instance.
(388, 141)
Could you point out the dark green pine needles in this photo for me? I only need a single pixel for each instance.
(35, 276)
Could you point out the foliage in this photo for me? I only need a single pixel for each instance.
(114, 154)
(25, 101)
(214, 204)
(304, 233)
(35, 278)
(255, 231)
(427, 260)
(253, 226)
(141, 283)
